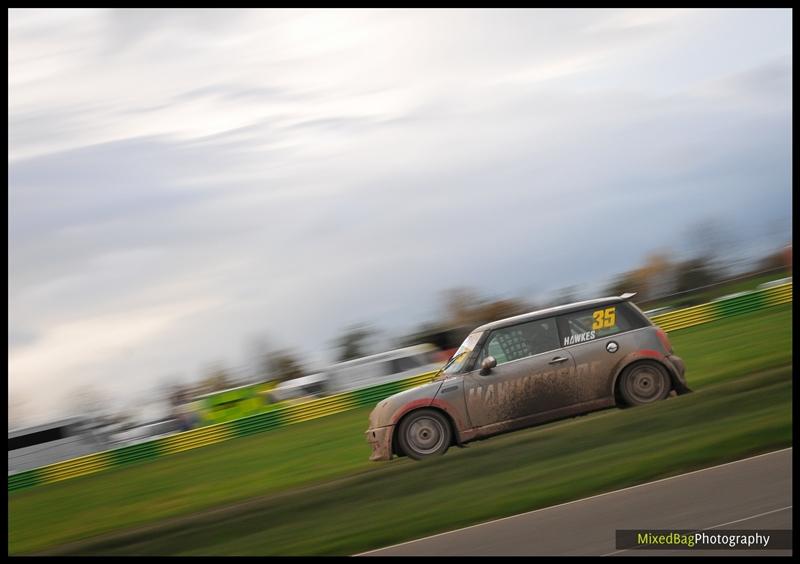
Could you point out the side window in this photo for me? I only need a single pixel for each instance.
(520, 341)
(598, 322)
(37, 438)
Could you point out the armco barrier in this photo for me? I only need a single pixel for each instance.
(672, 321)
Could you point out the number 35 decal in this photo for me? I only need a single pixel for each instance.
(603, 319)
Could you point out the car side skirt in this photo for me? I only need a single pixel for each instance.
(536, 419)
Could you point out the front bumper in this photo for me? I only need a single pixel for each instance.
(381, 441)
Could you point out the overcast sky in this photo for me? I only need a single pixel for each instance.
(181, 182)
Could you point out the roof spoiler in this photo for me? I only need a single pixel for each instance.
(627, 295)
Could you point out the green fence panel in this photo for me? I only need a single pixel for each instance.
(257, 423)
(26, 479)
(740, 304)
(369, 396)
(134, 453)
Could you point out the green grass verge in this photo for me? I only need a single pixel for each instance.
(510, 474)
(322, 450)
(308, 452)
(736, 346)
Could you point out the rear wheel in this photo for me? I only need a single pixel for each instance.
(644, 382)
(424, 433)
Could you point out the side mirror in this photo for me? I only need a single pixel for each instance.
(488, 363)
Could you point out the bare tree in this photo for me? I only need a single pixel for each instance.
(284, 365)
(461, 306)
(174, 392)
(712, 242)
(658, 274)
(270, 363)
(695, 273)
(465, 307)
(657, 277)
(354, 342)
(500, 309)
(217, 379)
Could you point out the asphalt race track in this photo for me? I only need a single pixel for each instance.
(753, 493)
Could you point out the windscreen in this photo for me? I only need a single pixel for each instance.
(456, 362)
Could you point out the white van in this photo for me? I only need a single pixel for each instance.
(52, 442)
(311, 385)
(362, 372)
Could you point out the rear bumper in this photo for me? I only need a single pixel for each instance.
(381, 441)
(680, 374)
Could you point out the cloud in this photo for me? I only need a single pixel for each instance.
(77, 349)
(180, 181)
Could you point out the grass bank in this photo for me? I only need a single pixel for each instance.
(333, 447)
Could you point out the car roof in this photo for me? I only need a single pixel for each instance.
(552, 311)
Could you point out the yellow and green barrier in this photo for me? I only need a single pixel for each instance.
(312, 409)
(726, 307)
(211, 434)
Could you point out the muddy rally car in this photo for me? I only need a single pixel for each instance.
(531, 369)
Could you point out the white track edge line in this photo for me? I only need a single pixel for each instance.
(575, 501)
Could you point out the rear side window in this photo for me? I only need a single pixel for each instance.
(598, 322)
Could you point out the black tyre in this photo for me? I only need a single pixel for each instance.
(644, 382)
(423, 433)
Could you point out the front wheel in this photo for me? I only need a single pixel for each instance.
(644, 382)
(424, 433)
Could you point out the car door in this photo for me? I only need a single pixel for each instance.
(598, 338)
(533, 375)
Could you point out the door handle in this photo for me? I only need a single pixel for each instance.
(557, 360)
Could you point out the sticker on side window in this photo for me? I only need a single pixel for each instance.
(604, 318)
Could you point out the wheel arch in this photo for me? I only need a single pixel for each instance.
(643, 356)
